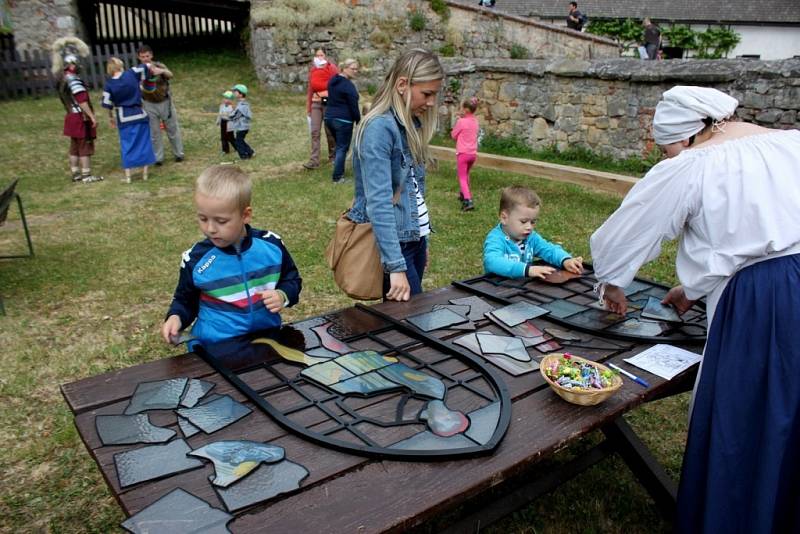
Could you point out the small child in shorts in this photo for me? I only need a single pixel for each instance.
(225, 125)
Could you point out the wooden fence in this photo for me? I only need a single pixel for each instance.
(30, 74)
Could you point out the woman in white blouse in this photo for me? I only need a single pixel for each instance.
(730, 191)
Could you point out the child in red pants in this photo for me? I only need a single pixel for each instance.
(465, 133)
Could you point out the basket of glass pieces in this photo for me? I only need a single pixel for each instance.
(578, 380)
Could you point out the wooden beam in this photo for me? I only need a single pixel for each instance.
(597, 180)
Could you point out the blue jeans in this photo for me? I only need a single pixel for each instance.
(241, 146)
(342, 133)
(416, 254)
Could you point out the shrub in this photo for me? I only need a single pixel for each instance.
(518, 51)
(417, 21)
(300, 14)
(440, 8)
(372, 89)
(447, 50)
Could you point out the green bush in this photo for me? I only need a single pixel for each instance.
(447, 50)
(518, 51)
(716, 42)
(417, 21)
(372, 89)
(440, 8)
(680, 35)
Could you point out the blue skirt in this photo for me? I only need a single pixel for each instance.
(741, 469)
(135, 145)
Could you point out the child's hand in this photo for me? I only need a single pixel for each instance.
(573, 265)
(273, 300)
(170, 329)
(539, 271)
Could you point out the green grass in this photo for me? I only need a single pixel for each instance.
(107, 258)
(576, 156)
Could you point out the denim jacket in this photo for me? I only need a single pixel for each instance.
(382, 166)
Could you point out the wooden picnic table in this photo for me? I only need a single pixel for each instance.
(350, 493)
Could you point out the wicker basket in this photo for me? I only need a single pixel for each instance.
(584, 397)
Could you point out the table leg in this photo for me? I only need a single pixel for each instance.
(641, 461)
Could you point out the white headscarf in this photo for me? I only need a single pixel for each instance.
(682, 109)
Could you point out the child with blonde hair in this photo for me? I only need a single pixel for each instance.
(511, 247)
(238, 279)
(465, 133)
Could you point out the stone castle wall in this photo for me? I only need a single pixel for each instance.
(37, 23)
(376, 31)
(608, 105)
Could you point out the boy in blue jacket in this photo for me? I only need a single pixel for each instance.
(238, 279)
(511, 246)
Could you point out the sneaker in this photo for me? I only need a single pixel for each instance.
(461, 197)
(310, 166)
(159, 163)
(178, 159)
(340, 181)
(76, 177)
(91, 178)
(467, 205)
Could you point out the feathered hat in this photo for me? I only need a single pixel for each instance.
(67, 50)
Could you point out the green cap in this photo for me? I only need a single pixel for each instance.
(241, 88)
(228, 94)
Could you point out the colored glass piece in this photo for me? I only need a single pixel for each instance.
(153, 461)
(634, 287)
(417, 381)
(478, 307)
(563, 335)
(509, 365)
(443, 421)
(548, 346)
(305, 327)
(516, 313)
(596, 319)
(187, 429)
(434, 320)
(287, 353)
(563, 308)
(235, 459)
(322, 352)
(326, 373)
(178, 512)
(506, 345)
(469, 341)
(469, 325)
(330, 342)
(460, 309)
(364, 361)
(635, 327)
(364, 384)
(264, 483)
(428, 441)
(195, 391)
(216, 414)
(130, 429)
(158, 395)
(657, 292)
(483, 422)
(655, 310)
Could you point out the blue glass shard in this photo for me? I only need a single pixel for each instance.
(483, 423)
(264, 483)
(322, 352)
(512, 347)
(417, 381)
(178, 512)
(459, 309)
(634, 287)
(434, 320)
(563, 308)
(159, 395)
(326, 373)
(655, 310)
(364, 361)
(428, 441)
(153, 461)
(635, 327)
(365, 384)
(236, 458)
(443, 421)
(513, 314)
(194, 391)
(477, 307)
(187, 429)
(216, 414)
(130, 429)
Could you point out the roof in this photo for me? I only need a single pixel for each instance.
(727, 11)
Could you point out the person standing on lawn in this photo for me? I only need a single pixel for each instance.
(731, 192)
(158, 104)
(240, 119)
(80, 122)
(342, 113)
(319, 75)
(465, 133)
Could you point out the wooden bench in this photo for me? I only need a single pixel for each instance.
(7, 196)
(349, 493)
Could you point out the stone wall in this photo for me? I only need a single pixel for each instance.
(376, 31)
(37, 23)
(608, 105)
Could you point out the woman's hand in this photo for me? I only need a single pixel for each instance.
(539, 271)
(677, 298)
(399, 289)
(615, 300)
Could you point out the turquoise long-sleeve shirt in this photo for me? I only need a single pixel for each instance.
(502, 256)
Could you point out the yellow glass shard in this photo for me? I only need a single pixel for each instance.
(287, 353)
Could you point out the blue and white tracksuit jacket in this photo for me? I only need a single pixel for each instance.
(502, 256)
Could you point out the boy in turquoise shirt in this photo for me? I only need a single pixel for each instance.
(511, 246)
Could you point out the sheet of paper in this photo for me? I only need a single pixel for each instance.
(665, 361)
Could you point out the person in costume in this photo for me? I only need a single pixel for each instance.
(730, 191)
(319, 75)
(80, 122)
(123, 99)
(157, 102)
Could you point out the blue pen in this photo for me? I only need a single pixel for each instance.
(632, 376)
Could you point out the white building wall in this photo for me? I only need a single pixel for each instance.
(769, 42)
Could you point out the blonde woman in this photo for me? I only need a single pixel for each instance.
(389, 157)
(123, 99)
